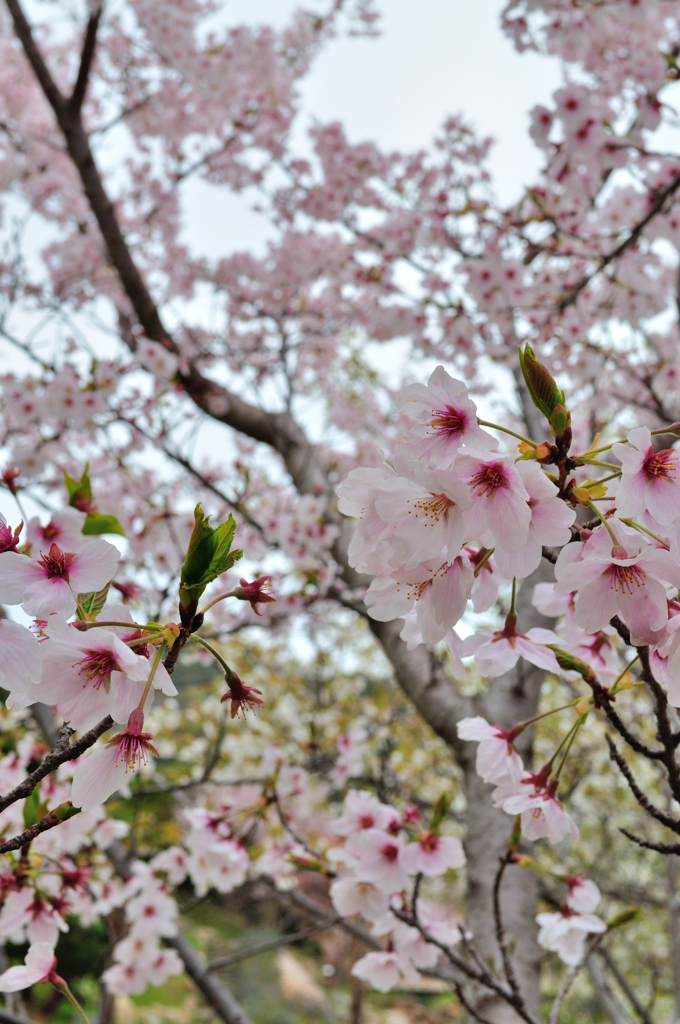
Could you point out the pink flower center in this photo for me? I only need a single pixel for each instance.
(431, 509)
(660, 464)
(366, 821)
(133, 748)
(625, 577)
(98, 666)
(56, 564)
(390, 852)
(429, 842)
(449, 421)
(488, 479)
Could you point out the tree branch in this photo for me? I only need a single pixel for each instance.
(77, 97)
(64, 751)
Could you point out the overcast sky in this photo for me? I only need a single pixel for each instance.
(432, 58)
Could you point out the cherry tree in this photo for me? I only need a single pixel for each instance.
(501, 530)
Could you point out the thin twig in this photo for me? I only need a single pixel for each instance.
(264, 947)
(64, 751)
(643, 800)
(500, 930)
(571, 977)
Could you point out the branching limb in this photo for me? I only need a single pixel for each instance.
(264, 947)
(667, 848)
(571, 977)
(49, 821)
(508, 969)
(64, 751)
(643, 800)
(86, 57)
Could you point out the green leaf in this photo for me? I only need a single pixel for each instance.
(96, 524)
(208, 556)
(541, 386)
(79, 491)
(93, 602)
(441, 809)
(32, 808)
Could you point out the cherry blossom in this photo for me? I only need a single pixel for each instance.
(649, 479)
(549, 524)
(432, 854)
(498, 652)
(500, 502)
(356, 896)
(65, 529)
(50, 584)
(583, 896)
(40, 961)
(378, 856)
(385, 970)
(362, 810)
(446, 417)
(533, 796)
(438, 592)
(105, 769)
(565, 934)
(88, 675)
(20, 666)
(497, 756)
(423, 514)
(618, 579)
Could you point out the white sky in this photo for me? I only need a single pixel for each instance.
(433, 58)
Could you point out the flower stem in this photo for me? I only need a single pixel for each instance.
(483, 562)
(514, 592)
(487, 423)
(87, 624)
(643, 529)
(604, 522)
(66, 991)
(156, 662)
(607, 465)
(614, 687)
(216, 656)
(216, 600)
(566, 743)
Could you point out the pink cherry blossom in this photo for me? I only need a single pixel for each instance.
(356, 896)
(362, 810)
(432, 855)
(565, 934)
(549, 524)
(357, 495)
(385, 970)
(50, 584)
(90, 674)
(105, 769)
(649, 479)
(496, 753)
(40, 961)
(446, 417)
(26, 915)
(378, 858)
(438, 592)
(533, 796)
(583, 895)
(496, 653)
(423, 513)
(499, 499)
(65, 529)
(622, 580)
(20, 665)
